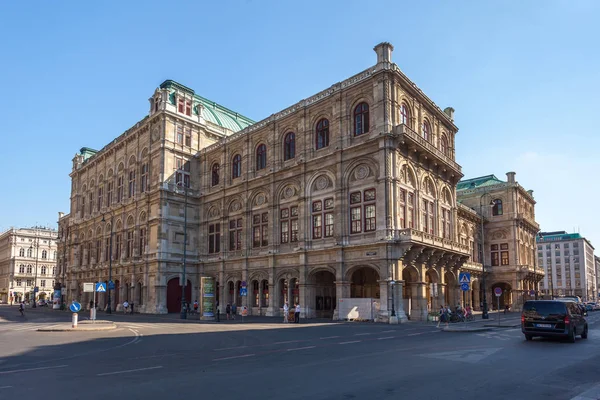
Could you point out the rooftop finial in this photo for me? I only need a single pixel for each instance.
(384, 52)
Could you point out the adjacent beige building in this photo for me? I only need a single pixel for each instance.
(331, 198)
(27, 260)
(508, 237)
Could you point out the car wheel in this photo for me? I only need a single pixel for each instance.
(585, 333)
(528, 337)
(571, 337)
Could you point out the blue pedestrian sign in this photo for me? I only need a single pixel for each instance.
(75, 307)
(464, 277)
(101, 287)
(111, 285)
(243, 291)
(464, 287)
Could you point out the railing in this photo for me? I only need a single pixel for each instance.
(527, 218)
(426, 238)
(415, 137)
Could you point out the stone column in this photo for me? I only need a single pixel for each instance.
(272, 309)
(342, 290)
(307, 308)
(260, 296)
(419, 306)
(122, 297)
(476, 298)
(385, 306)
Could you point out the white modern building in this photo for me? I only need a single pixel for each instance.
(568, 260)
(27, 260)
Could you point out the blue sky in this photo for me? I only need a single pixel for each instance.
(524, 79)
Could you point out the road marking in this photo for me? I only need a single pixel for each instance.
(390, 331)
(129, 370)
(415, 334)
(362, 334)
(233, 357)
(352, 341)
(387, 337)
(5, 387)
(329, 337)
(14, 371)
(289, 341)
(302, 348)
(230, 348)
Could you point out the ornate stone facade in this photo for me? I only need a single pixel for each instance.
(330, 198)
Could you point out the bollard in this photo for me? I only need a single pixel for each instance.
(75, 318)
(93, 314)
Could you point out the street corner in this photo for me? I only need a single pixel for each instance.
(83, 326)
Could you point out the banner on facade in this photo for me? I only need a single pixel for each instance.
(208, 296)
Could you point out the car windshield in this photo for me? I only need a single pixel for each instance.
(545, 308)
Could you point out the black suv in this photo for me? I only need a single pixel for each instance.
(553, 318)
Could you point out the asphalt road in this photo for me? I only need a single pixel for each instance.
(159, 357)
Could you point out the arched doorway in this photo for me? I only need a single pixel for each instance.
(431, 289)
(230, 292)
(506, 298)
(238, 297)
(363, 283)
(174, 295)
(264, 301)
(451, 297)
(324, 294)
(117, 292)
(138, 292)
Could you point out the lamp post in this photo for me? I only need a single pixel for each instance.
(393, 317)
(110, 254)
(184, 283)
(484, 314)
(37, 249)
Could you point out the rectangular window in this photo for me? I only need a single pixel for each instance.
(410, 217)
(317, 226)
(188, 108)
(119, 189)
(214, 238)
(82, 205)
(505, 258)
(118, 247)
(19, 282)
(188, 137)
(260, 230)
(179, 135)
(43, 283)
(235, 234)
(106, 249)
(370, 218)
(131, 192)
(109, 192)
(144, 180)
(98, 250)
(402, 208)
(355, 220)
(129, 250)
(142, 244)
(328, 224)
(91, 203)
(29, 282)
(182, 174)
(495, 259)
(181, 105)
(100, 197)
(322, 222)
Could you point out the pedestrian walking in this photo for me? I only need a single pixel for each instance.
(228, 311)
(286, 313)
(195, 306)
(125, 307)
(297, 314)
(22, 309)
(131, 305)
(233, 310)
(217, 312)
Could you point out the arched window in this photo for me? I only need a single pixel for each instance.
(322, 134)
(53, 270)
(236, 166)
(21, 269)
(404, 115)
(54, 255)
(444, 145)
(22, 253)
(289, 146)
(361, 119)
(215, 174)
(44, 254)
(426, 130)
(497, 208)
(261, 156)
(30, 252)
(44, 269)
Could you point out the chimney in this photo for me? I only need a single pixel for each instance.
(511, 177)
(384, 52)
(449, 111)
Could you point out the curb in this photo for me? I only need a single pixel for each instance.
(503, 326)
(104, 326)
(483, 329)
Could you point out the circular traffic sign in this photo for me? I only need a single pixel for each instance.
(75, 307)
(532, 292)
(498, 291)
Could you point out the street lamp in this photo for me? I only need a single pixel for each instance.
(37, 249)
(184, 283)
(108, 289)
(484, 314)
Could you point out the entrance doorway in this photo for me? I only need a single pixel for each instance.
(174, 295)
(325, 300)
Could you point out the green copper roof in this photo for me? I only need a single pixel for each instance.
(86, 152)
(554, 236)
(213, 112)
(474, 183)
